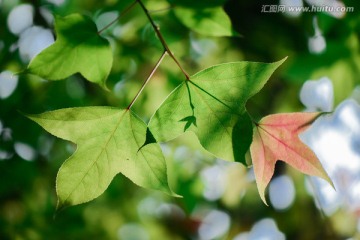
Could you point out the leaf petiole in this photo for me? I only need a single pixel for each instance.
(148, 79)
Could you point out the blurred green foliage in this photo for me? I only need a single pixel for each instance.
(27, 188)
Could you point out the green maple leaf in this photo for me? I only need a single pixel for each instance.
(212, 105)
(78, 49)
(109, 141)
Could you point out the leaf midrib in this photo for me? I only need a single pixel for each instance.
(286, 146)
(214, 112)
(98, 157)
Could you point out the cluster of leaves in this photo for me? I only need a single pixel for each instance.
(210, 103)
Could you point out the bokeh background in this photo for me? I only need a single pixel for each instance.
(220, 201)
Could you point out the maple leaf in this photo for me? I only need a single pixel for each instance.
(212, 105)
(78, 49)
(276, 137)
(109, 141)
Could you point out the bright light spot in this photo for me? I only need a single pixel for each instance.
(334, 139)
(201, 47)
(20, 18)
(331, 5)
(25, 151)
(316, 43)
(45, 144)
(214, 182)
(250, 175)
(264, 229)
(326, 197)
(242, 236)
(166, 149)
(6, 134)
(338, 14)
(281, 192)
(148, 206)
(132, 231)
(214, 225)
(292, 3)
(354, 192)
(181, 153)
(13, 47)
(119, 88)
(47, 15)
(318, 95)
(105, 18)
(4, 155)
(333, 148)
(170, 210)
(356, 94)
(33, 41)
(349, 115)
(8, 84)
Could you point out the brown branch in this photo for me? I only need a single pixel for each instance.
(162, 39)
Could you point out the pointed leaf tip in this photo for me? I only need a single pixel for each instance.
(281, 61)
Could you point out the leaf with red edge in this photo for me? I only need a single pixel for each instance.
(276, 137)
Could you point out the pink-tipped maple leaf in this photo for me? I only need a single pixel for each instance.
(276, 137)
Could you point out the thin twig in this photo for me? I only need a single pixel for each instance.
(148, 79)
(162, 39)
(120, 15)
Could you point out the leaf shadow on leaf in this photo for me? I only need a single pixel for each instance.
(241, 134)
(241, 139)
(190, 120)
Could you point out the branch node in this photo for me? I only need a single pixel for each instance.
(162, 39)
